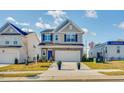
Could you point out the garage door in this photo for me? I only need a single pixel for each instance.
(8, 57)
(67, 56)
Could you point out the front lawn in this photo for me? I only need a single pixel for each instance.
(113, 73)
(40, 66)
(20, 75)
(111, 65)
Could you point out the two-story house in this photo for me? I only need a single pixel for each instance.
(64, 43)
(17, 44)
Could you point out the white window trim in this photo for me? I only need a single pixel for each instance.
(15, 43)
(70, 35)
(47, 37)
(7, 43)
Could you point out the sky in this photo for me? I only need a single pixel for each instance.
(99, 26)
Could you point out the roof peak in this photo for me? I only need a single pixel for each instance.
(61, 25)
(16, 28)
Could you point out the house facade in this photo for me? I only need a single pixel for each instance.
(17, 44)
(64, 43)
(111, 50)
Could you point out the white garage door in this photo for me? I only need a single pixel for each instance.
(8, 56)
(67, 56)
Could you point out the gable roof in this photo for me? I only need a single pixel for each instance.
(48, 30)
(62, 25)
(66, 22)
(13, 26)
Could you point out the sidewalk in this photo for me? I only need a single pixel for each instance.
(69, 72)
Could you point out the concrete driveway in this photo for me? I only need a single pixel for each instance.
(69, 72)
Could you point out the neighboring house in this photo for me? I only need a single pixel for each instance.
(15, 43)
(64, 43)
(111, 50)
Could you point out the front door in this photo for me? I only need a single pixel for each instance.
(49, 54)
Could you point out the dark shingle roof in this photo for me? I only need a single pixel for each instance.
(62, 25)
(58, 28)
(48, 30)
(67, 21)
(17, 29)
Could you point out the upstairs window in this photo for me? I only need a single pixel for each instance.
(7, 42)
(105, 49)
(15, 42)
(70, 37)
(47, 37)
(56, 37)
(118, 49)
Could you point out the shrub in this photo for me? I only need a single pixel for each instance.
(38, 57)
(100, 60)
(16, 61)
(87, 59)
(78, 65)
(59, 63)
(90, 59)
(26, 62)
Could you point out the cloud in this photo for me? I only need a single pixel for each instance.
(43, 25)
(27, 29)
(58, 16)
(11, 19)
(56, 13)
(93, 33)
(86, 31)
(120, 25)
(91, 14)
(23, 24)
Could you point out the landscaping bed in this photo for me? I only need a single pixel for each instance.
(40, 66)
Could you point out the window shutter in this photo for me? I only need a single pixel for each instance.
(65, 37)
(51, 37)
(76, 36)
(43, 36)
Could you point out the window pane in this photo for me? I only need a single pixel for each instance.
(56, 37)
(6, 42)
(15, 42)
(68, 38)
(71, 38)
(47, 37)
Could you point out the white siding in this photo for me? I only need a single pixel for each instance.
(33, 46)
(66, 30)
(11, 39)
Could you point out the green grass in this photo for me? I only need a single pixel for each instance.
(19, 75)
(113, 73)
(110, 65)
(40, 66)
